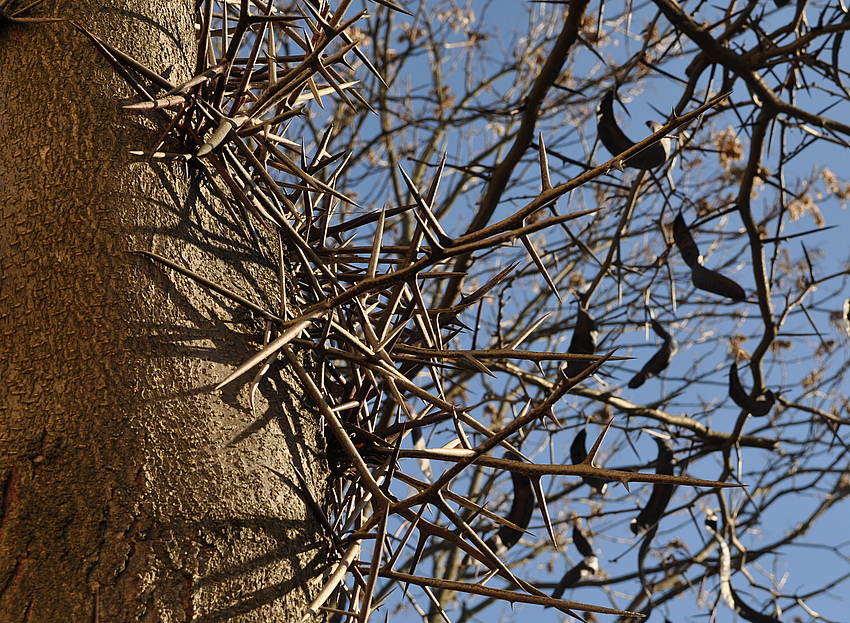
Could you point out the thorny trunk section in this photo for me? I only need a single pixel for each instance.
(129, 491)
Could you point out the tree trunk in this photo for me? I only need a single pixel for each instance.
(130, 491)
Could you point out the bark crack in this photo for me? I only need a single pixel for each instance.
(9, 496)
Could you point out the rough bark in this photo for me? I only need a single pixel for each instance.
(127, 487)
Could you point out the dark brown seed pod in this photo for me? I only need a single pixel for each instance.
(685, 242)
(714, 282)
(583, 342)
(578, 453)
(661, 494)
(642, 552)
(749, 613)
(522, 508)
(578, 449)
(585, 568)
(616, 141)
(660, 360)
(582, 543)
(757, 408)
(588, 566)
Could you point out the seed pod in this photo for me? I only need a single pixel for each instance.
(642, 552)
(578, 453)
(578, 449)
(749, 613)
(685, 241)
(583, 342)
(582, 543)
(757, 408)
(660, 360)
(586, 567)
(714, 282)
(702, 277)
(661, 494)
(522, 508)
(616, 141)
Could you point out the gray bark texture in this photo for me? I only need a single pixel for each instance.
(129, 491)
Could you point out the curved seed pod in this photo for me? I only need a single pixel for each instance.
(749, 613)
(724, 559)
(588, 566)
(710, 281)
(583, 342)
(582, 543)
(661, 494)
(754, 407)
(685, 241)
(644, 549)
(702, 277)
(609, 132)
(616, 141)
(660, 360)
(836, 47)
(578, 453)
(522, 508)
(578, 449)
(725, 569)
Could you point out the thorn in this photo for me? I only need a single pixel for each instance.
(545, 181)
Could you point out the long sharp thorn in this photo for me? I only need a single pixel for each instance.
(209, 284)
(225, 127)
(545, 181)
(444, 239)
(544, 509)
(540, 265)
(431, 195)
(433, 240)
(376, 246)
(595, 449)
(527, 331)
(394, 7)
(282, 340)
